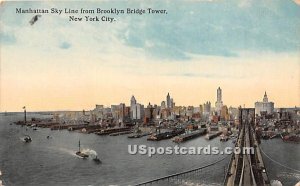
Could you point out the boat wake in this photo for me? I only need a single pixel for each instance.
(22, 139)
(276, 183)
(93, 154)
(1, 184)
(67, 151)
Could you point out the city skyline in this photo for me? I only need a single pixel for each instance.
(134, 101)
(73, 66)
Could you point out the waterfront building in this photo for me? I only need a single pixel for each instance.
(98, 111)
(264, 107)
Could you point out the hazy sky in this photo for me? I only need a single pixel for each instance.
(246, 47)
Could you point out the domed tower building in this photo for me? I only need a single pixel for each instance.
(264, 106)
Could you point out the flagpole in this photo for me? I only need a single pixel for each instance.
(24, 115)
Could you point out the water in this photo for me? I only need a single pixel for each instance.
(287, 154)
(53, 161)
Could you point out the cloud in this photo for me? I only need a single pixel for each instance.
(297, 2)
(218, 29)
(245, 3)
(65, 45)
(7, 38)
(210, 75)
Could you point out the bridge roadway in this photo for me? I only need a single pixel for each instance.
(247, 167)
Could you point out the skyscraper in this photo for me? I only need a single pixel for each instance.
(172, 103)
(264, 106)
(219, 102)
(132, 105)
(168, 101)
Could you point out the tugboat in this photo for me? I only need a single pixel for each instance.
(97, 160)
(27, 139)
(223, 138)
(81, 154)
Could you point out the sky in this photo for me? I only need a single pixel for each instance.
(246, 47)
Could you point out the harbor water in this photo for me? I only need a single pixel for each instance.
(53, 161)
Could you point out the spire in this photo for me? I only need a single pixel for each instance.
(265, 97)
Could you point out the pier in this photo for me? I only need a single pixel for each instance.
(212, 135)
(188, 136)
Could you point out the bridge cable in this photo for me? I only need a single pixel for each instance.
(184, 172)
(278, 162)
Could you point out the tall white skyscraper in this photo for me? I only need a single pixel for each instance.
(132, 105)
(219, 102)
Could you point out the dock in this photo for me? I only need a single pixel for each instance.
(112, 130)
(120, 133)
(188, 136)
(138, 135)
(212, 135)
(165, 135)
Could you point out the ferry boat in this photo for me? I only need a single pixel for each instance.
(224, 138)
(81, 154)
(27, 139)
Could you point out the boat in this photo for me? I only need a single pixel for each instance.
(81, 154)
(224, 138)
(27, 139)
(291, 138)
(97, 160)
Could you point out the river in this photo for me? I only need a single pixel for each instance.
(53, 161)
